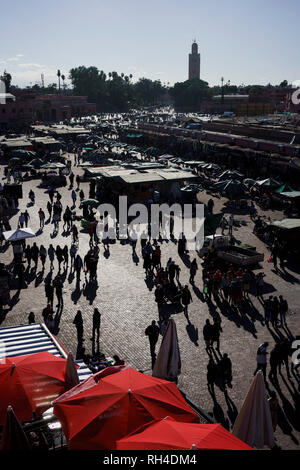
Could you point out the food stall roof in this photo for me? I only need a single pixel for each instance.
(291, 194)
(286, 224)
(134, 176)
(13, 143)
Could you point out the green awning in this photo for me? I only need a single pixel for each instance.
(284, 188)
(134, 136)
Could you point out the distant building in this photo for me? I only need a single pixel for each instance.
(194, 62)
(27, 107)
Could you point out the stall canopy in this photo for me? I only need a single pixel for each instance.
(286, 224)
(116, 406)
(30, 383)
(168, 434)
(283, 188)
(291, 195)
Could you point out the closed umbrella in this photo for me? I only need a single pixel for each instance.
(13, 436)
(253, 424)
(30, 383)
(20, 234)
(96, 418)
(169, 434)
(168, 364)
(71, 376)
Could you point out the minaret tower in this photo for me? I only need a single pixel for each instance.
(194, 62)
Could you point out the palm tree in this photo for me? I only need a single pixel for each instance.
(58, 74)
(64, 85)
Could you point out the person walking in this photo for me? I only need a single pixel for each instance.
(78, 322)
(78, 181)
(152, 331)
(49, 292)
(186, 299)
(59, 256)
(283, 309)
(275, 312)
(74, 230)
(268, 307)
(261, 359)
(74, 197)
(42, 218)
(226, 370)
(211, 375)
(43, 255)
(71, 178)
(81, 195)
(285, 350)
(58, 285)
(96, 324)
(31, 318)
(50, 323)
(19, 271)
(274, 362)
(78, 264)
(49, 209)
(73, 251)
(207, 335)
(27, 217)
(193, 270)
(27, 253)
(21, 220)
(51, 254)
(216, 330)
(65, 253)
(35, 254)
(259, 281)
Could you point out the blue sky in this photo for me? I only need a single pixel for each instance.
(246, 42)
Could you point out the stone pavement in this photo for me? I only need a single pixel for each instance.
(126, 301)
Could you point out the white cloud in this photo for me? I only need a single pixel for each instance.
(31, 65)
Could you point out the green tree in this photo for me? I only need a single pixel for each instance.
(284, 84)
(190, 93)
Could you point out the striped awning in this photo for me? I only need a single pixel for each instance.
(23, 340)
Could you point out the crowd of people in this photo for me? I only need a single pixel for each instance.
(226, 284)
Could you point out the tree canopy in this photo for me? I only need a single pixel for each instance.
(190, 93)
(114, 91)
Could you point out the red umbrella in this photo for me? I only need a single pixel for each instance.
(117, 405)
(30, 383)
(168, 434)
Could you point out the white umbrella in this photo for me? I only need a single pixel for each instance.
(71, 375)
(168, 364)
(19, 234)
(253, 424)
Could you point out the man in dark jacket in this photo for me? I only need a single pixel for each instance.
(152, 331)
(96, 324)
